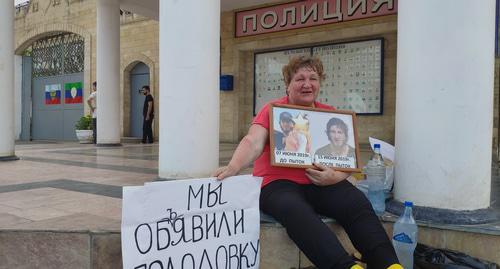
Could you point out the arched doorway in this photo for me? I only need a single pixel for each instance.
(57, 86)
(139, 76)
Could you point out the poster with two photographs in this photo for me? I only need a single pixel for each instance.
(303, 136)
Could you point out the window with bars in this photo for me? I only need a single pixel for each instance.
(58, 55)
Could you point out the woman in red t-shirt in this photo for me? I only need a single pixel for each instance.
(295, 196)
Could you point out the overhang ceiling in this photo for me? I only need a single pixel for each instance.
(150, 8)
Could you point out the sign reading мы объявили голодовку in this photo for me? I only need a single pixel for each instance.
(199, 223)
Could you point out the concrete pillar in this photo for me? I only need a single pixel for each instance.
(444, 104)
(7, 80)
(108, 72)
(189, 88)
(18, 93)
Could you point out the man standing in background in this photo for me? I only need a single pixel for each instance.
(148, 112)
(92, 102)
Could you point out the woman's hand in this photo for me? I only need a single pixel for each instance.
(322, 175)
(224, 171)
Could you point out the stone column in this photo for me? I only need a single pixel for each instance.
(444, 104)
(108, 72)
(7, 79)
(189, 88)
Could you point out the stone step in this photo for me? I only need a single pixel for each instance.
(130, 140)
(102, 249)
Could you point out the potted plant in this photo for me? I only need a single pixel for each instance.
(83, 128)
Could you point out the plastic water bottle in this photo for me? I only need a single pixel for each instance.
(376, 196)
(375, 178)
(377, 157)
(404, 237)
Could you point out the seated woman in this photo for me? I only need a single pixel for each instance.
(295, 197)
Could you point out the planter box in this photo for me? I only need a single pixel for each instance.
(84, 136)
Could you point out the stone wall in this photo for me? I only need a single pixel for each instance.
(139, 39)
(237, 60)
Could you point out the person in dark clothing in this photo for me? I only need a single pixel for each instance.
(286, 126)
(148, 112)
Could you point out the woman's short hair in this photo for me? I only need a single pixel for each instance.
(298, 62)
(336, 122)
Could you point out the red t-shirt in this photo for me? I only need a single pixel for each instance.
(262, 166)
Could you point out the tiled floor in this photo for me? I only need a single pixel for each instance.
(68, 186)
(71, 186)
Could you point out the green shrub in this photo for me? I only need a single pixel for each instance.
(84, 123)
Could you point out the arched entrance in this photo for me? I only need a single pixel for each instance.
(139, 76)
(57, 91)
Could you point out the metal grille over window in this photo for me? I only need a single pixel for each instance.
(73, 54)
(58, 55)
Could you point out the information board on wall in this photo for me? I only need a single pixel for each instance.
(353, 75)
(269, 83)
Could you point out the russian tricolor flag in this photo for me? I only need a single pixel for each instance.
(53, 94)
(73, 93)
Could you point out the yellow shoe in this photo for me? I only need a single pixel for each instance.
(356, 266)
(395, 266)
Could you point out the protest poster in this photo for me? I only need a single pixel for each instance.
(302, 136)
(198, 223)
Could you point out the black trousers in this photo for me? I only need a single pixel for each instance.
(297, 207)
(94, 129)
(147, 131)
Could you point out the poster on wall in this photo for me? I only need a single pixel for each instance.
(53, 94)
(73, 93)
(304, 137)
(353, 75)
(269, 83)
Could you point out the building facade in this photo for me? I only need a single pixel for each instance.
(139, 39)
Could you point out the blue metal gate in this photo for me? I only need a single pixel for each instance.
(139, 76)
(57, 87)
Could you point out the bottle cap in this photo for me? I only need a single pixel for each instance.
(408, 204)
(376, 146)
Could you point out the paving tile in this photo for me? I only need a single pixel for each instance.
(10, 221)
(277, 249)
(41, 197)
(46, 250)
(106, 251)
(7, 209)
(74, 222)
(41, 213)
(476, 245)
(28, 195)
(99, 205)
(431, 237)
